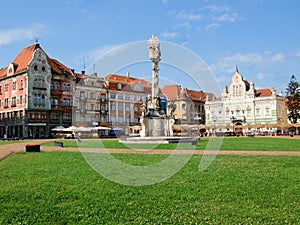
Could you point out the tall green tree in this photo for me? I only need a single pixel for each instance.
(293, 96)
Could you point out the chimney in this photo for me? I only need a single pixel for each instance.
(83, 72)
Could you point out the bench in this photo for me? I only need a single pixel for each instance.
(32, 148)
(58, 144)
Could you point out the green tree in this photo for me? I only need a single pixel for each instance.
(293, 102)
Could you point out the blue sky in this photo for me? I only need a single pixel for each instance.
(260, 36)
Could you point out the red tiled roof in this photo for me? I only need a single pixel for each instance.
(59, 68)
(126, 79)
(263, 92)
(174, 92)
(112, 81)
(195, 95)
(25, 56)
(3, 72)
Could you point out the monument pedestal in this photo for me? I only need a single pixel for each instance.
(156, 127)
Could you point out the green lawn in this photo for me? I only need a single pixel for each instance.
(232, 143)
(12, 142)
(61, 188)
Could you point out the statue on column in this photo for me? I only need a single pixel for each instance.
(154, 55)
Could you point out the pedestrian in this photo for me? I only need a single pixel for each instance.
(78, 137)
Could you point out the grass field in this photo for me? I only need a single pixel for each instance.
(235, 143)
(61, 188)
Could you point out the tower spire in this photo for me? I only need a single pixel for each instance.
(236, 68)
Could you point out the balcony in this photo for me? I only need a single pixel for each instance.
(61, 107)
(56, 92)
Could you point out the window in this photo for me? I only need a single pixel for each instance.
(14, 85)
(54, 101)
(119, 86)
(39, 83)
(67, 87)
(92, 107)
(92, 95)
(267, 111)
(121, 119)
(82, 107)
(120, 96)
(103, 98)
(6, 87)
(0, 90)
(120, 107)
(113, 106)
(248, 111)
(38, 99)
(54, 86)
(13, 101)
(257, 111)
(67, 117)
(21, 99)
(82, 95)
(183, 106)
(54, 116)
(113, 96)
(21, 84)
(127, 97)
(5, 102)
(66, 102)
(127, 107)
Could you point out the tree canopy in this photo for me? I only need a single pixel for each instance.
(293, 99)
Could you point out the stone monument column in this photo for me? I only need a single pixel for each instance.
(154, 55)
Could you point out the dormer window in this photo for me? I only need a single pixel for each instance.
(119, 86)
(35, 68)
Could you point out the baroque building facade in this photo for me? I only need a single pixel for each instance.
(126, 95)
(189, 104)
(90, 101)
(242, 107)
(35, 95)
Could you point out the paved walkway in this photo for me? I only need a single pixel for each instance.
(8, 149)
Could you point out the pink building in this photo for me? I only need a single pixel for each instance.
(35, 95)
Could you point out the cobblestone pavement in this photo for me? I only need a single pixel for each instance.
(8, 149)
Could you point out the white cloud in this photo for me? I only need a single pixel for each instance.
(95, 54)
(168, 35)
(260, 76)
(212, 26)
(185, 25)
(215, 8)
(165, 1)
(297, 54)
(188, 16)
(19, 34)
(226, 17)
(227, 64)
(278, 57)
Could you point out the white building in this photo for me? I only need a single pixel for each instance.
(242, 108)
